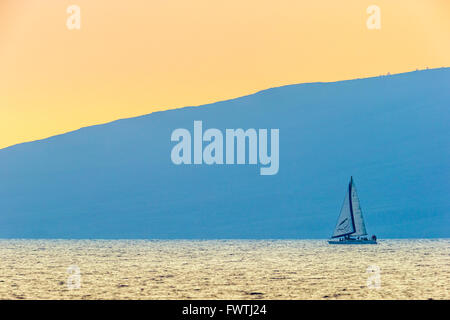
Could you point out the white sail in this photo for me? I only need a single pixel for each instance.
(360, 227)
(345, 224)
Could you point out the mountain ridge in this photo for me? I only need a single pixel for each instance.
(231, 99)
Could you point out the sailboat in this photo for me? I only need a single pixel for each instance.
(350, 227)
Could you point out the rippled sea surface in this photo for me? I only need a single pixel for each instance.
(223, 269)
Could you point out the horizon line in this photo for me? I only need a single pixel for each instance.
(215, 239)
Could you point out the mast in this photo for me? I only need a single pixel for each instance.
(350, 185)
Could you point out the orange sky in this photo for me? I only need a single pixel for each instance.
(138, 56)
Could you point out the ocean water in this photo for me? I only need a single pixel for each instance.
(223, 269)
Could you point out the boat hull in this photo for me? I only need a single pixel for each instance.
(350, 241)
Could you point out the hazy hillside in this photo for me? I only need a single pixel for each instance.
(117, 180)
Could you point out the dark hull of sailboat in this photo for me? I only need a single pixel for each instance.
(352, 241)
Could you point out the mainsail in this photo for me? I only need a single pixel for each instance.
(350, 221)
(360, 227)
